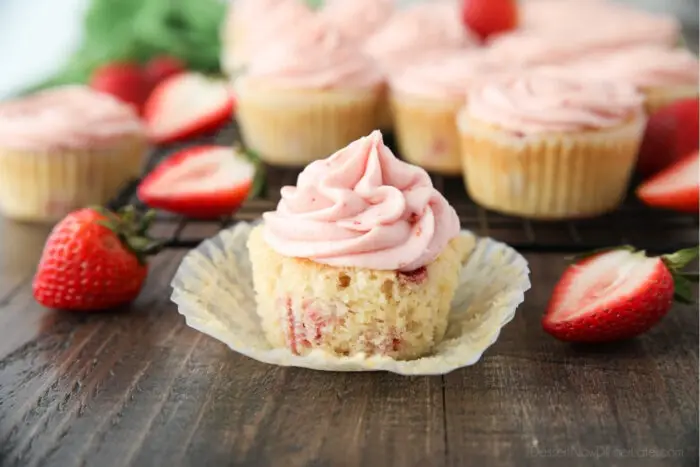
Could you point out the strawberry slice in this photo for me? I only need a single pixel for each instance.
(187, 105)
(203, 182)
(489, 17)
(160, 68)
(616, 294)
(671, 134)
(677, 187)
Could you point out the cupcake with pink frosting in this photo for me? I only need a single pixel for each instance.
(371, 264)
(252, 25)
(307, 96)
(664, 75)
(414, 33)
(425, 99)
(65, 149)
(550, 143)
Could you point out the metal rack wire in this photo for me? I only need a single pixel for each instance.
(633, 223)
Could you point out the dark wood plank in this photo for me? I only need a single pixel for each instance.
(536, 401)
(138, 387)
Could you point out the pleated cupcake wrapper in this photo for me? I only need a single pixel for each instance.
(657, 98)
(293, 128)
(213, 289)
(45, 186)
(549, 176)
(426, 133)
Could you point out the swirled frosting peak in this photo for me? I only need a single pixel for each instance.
(65, 117)
(362, 207)
(357, 19)
(315, 56)
(553, 100)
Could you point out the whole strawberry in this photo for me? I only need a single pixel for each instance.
(94, 260)
(617, 294)
(489, 17)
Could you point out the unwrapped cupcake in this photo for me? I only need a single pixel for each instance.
(64, 149)
(550, 144)
(362, 256)
(308, 96)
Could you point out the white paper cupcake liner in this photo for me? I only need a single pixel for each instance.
(213, 289)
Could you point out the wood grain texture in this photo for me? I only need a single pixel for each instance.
(139, 388)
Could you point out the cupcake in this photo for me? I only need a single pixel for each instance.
(308, 96)
(371, 264)
(412, 33)
(550, 144)
(425, 99)
(64, 149)
(663, 75)
(252, 25)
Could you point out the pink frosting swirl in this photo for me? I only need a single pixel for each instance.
(362, 207)
(555, 31)
(643, 66)
(357, 19)
(419, 30)
(315, 56)
(446, 76)
(65, 117)
(553, 100)
(263, 23)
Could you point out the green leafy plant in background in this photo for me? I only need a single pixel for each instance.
(137, 30)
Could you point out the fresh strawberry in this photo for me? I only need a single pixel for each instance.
(617, 294)
(671, 134)
(187, 105)
(489, 17)
(676, 187)
(162, 67)
(202, 182)
(94, 260)
(123, 80)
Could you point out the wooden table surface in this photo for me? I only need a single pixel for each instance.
(139, 387)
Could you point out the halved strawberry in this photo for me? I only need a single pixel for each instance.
(677, 187)
(671, 134)
(202, 182)
(489, 17)
(616, 294)
(187, 105)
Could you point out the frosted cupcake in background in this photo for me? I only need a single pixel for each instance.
(663, 75)
(65, 149)
(425, 99)
(307, 96)
(416, 32)
(252, 25)
(371, 264)
(550, 144)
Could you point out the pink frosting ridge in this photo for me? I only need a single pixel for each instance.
(643, 66)
(557, 30)
(419, 30)
(553, 100)
(314, 56)
(446, 76)
(65, 117)
(362, 207)
(357, 19)
(264, 21)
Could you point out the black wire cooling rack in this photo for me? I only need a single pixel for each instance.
(633, 224)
